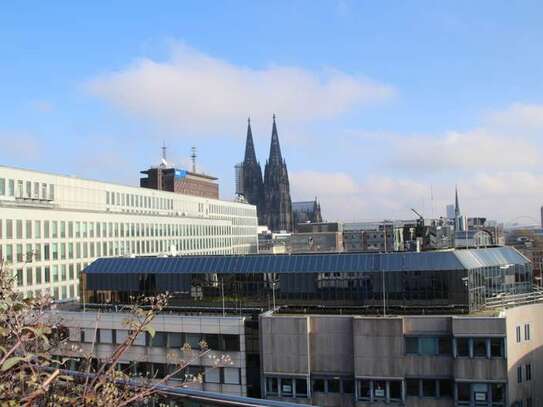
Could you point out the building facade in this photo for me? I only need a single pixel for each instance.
(53, 226)
(414, 361)
(180, 181)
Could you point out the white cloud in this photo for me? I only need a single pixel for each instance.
(518, 116)
(193, 92)
(479, 149)
(497, 195)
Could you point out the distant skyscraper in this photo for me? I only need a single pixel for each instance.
(251, 178)
(239, 179)
(277, 188)
(460, 222)
(450, 211)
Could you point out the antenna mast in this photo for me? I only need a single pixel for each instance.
(193, 157)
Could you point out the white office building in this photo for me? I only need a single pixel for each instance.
(52, 226)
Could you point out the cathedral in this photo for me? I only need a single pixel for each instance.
(271, 195)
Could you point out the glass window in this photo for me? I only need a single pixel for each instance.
(498, 392)
(271, 385)
(301, 387)
(445, 388)
(212, 375)
(444, 345)
(496, 347)
(175, 340)
(479, 347)
(528, 369)
(379, 389)
(412, 386)
(526, 332)
(518, 334)
(429, 388)
(2, 186)
(231, 342)
(29, 276)
(411, 345)
(395, 389)
(159, 340)
(11, 187)
(348, 386)
(193, 340)
(286, 387)
(462, 347)
(37, 229)
(231, 375)
(318, 385)
(333, 385)
(519, 374)
(428, 346)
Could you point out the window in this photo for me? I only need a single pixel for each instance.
(428, 346)
(519, 374)
(498, 392)
(528, 369)
(212, 375)
(518, 334)
(175, 340)
(496, 347)
(445, 388)
(462, 347)
(529, 402)
(348, 386)
(479, 347)
(411, 345)
(463, 390)
(429, 388)
(333, 385)
(318, 385)
(412, 387)
(231, 375)
(395, 389)
(159, 340)
(526, 332)
(301, 388)
(2, 186)
(444, 345)
(364, 389)
(379, 389)
(286, 387)
(271, 385)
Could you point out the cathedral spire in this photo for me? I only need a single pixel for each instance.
(250, 154)
(275, 148)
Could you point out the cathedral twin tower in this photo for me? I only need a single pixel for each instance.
(271, 196)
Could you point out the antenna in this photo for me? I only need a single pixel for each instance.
(193, 157)
(164, 148)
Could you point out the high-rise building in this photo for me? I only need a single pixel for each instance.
(52, 226)
(239, 179)
(277, 188)
(253, 186)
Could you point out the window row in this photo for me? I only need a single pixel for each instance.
(458, 346)
(27, 189)
(37, 229)
(48, 274)
(526, 333)
(173, 340)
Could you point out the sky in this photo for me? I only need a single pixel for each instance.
(381, 106)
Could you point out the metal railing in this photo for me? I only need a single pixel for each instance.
(514, 300)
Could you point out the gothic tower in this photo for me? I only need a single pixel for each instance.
(253, 187)
(278, 205)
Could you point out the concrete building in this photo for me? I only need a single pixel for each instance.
(316, 237)
(370, 236)
(156, 356)
(349, 360)
(53, 226)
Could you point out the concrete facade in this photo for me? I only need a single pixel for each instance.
(405, 360)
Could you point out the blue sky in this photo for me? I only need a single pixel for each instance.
(381, 106)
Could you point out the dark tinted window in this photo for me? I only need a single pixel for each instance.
(318, 385)
(498, 392)
(445, 388)
(411, 345)
(496, 347)
(479, 347)
(364, 390)
(463, 391)
(462, 347)
(395, 387)
(333, 386)
(429, 388)
(301, 388)
(444, 345)
(412, 387)
(231, 342)
(348, 386)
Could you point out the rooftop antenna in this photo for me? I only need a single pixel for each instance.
(193, 157)
(163, 160)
